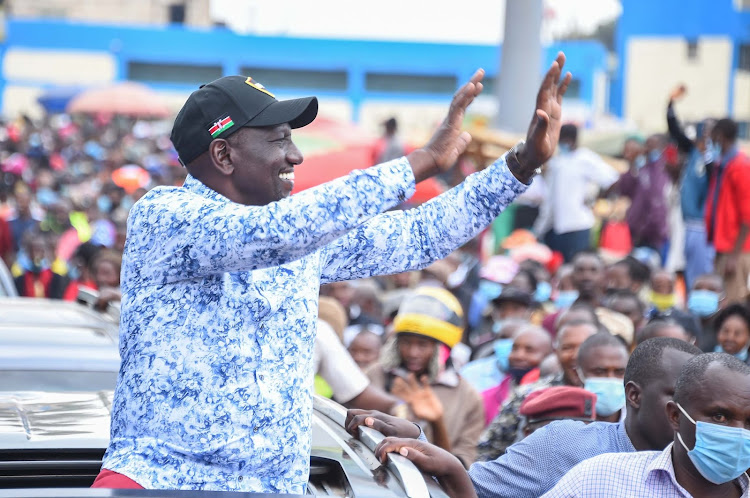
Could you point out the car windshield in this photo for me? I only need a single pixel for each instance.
(54, 380)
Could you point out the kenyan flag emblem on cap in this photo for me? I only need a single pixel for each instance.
(221, 125)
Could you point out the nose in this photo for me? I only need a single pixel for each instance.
(293, 155)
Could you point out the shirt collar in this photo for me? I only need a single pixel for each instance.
(447, 377)
(196, 186)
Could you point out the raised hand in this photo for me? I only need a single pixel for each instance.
(448, 142)
(420, 397)
(678, 92)
(544, 130)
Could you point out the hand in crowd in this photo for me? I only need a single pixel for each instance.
(420, 397)
(678, 92)
(388, 425)
(430, 460)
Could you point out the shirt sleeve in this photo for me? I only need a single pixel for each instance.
(627, 184)
(598, 171)
(337, 367)
(399, 241)
(529, 467)
(177, 235)
(465, 448)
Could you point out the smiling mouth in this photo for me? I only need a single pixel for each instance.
(289, 176)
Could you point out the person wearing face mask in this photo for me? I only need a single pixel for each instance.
(728, 211)
(732, 326)
(565, 218)
(503, 430)
(33, 272)
(710, 452)
(601, 367)
(535, 464)
(646, 187)
(699, 254)
(704, 301)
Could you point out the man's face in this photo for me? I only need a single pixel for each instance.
(588, 275)
(264, 159)
(662, 282)
(509, 309)
(709, 284)
(529, 349)
(631, 150)
(618, 278)
(416, 352)
(568, 341)
(652, 416)
(722, 397)
(628, 307)
(733, 335)
(365, 349)
(604, 361)
(106, 274)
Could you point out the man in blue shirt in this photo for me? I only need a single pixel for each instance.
(535, 464)
(220, 279)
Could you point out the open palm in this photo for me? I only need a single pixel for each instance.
(544, 130)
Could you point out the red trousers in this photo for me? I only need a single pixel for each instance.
(113, 480)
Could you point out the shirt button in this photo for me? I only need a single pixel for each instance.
(260, 377)
(256, 429)
(239, 478)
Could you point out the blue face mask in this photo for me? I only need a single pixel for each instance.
(654, 155)
(104, 203)
(742, 355)
(565, 299)
(721, 454)
(640, 161)
(716, 152)
(543, 292)
(563, 148)
(708, 154)
(517, 373)
(610, 394)
(703, 302)
(502, 349)
(489, 289)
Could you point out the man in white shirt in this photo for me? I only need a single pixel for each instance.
(566, 218)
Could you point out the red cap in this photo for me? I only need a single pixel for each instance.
(559, 402)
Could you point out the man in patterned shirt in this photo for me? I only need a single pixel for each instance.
(220, 279)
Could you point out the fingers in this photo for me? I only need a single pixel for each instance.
(463, 97)
(563, 86)
(539, 126)
(404, 447)
(412, 381)
(357, 418)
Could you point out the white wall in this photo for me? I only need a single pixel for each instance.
(742, 96)
(656, 65)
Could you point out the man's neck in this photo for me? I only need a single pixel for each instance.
(634, 433)
(689, 478)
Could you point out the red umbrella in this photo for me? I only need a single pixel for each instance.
(131, 177)
(128, 98)
(333, 149)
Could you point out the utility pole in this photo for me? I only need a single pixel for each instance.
(521, 65)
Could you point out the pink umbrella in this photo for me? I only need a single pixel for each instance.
(131, 177)
(128, 98)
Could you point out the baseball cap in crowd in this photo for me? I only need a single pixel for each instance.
(514, 295)
(559, 402)
(220, 108)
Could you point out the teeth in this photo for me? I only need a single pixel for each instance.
(287, 176)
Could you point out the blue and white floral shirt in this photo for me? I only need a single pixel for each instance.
(219, 308)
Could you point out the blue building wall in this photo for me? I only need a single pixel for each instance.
(689, 19)
(357, 58)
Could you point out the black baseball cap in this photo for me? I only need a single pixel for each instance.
(220, 108)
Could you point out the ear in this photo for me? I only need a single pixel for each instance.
(219, 150)
(633, 394)
(673, 415)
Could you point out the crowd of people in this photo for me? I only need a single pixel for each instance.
(515, 367)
